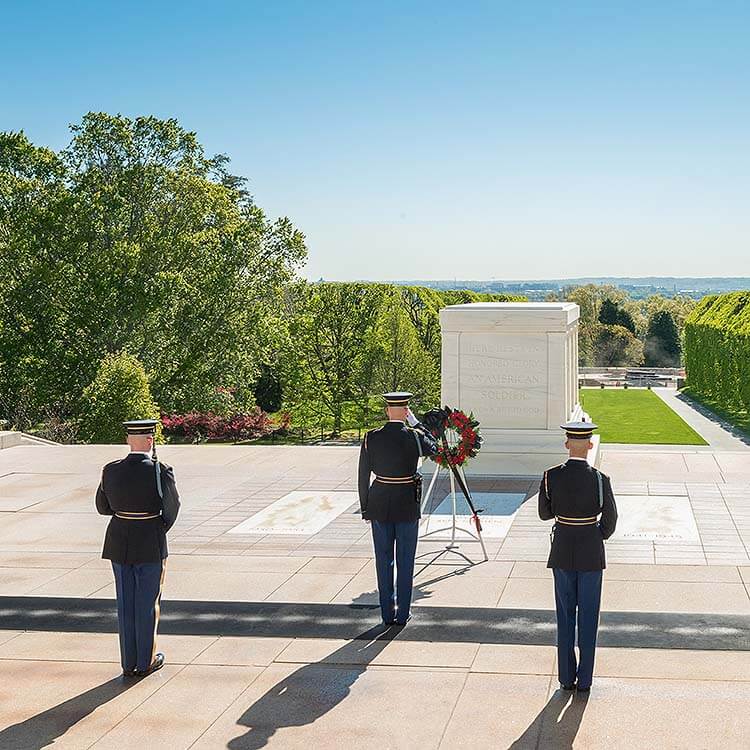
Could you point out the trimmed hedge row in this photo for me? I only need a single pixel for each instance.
(717, 349)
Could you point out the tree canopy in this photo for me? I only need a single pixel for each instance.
(131, 238)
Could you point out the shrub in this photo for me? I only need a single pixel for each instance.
(198, 426)
(118, 392)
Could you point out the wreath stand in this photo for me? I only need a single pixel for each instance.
(452, 545)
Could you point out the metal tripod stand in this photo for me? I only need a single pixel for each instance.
(454, 528)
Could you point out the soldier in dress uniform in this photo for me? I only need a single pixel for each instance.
(580, 499)
(392, 501)
(140, 494)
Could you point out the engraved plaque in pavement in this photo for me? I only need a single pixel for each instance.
(298, 512)
(655, 518)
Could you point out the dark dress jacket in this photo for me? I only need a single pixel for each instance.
(571, 490)
(392, 451)
(129, 485)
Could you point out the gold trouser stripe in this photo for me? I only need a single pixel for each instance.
(157, 609)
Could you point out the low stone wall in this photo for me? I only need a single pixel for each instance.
(10, 439)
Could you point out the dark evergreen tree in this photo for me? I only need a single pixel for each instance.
(662, 345)
(625, 319)
(608, 313)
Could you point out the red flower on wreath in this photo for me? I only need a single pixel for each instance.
(457, 434)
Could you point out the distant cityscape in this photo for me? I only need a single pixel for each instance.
(637, 288)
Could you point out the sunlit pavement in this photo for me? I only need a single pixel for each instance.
(272, 638)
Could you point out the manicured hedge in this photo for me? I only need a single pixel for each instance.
(717, 350)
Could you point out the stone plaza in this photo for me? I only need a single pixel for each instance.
(269, 616)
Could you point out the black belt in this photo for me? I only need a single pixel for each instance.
(395, 480)
(127, 516)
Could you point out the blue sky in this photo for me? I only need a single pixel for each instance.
(430, 139)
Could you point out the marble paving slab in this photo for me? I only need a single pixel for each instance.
(298, 512)
(664, 518)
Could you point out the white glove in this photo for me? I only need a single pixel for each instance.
(411, 419)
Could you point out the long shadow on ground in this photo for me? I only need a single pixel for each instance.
(556, 725)
(45, 728)
(442, 624)
(311, 691)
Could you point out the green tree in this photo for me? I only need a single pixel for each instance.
(679, 306)
(612, 314)
(119, 392)
(268, 391)
(625, 319)
(423, 305)
(402, 362)
(616, 346)
(132, 238)
(589, 299)
(329, 363)
(662, 344)
(609, 313)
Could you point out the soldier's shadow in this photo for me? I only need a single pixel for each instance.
(311, 691)
(430, 568)
(45, 728)
(556, 725)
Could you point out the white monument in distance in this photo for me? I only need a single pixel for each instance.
(515, 366)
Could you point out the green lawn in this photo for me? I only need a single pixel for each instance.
(636, 416)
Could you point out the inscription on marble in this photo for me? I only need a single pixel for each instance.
(503, 378)
(659, 518)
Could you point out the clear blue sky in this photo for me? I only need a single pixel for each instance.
(476, 139)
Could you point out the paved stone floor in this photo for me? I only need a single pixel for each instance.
(271, 639)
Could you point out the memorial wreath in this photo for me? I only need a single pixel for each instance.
(457, 435)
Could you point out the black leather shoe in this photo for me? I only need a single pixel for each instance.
(156, 664)
(401, 623)
(583, 690)
(567, 687)
(129, 673)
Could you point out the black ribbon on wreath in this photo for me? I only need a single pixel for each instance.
(437, 421)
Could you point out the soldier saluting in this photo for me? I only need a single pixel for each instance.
(141, 496)
(392, 501)
(580, 499)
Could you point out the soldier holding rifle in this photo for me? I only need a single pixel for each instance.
(141, 496)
